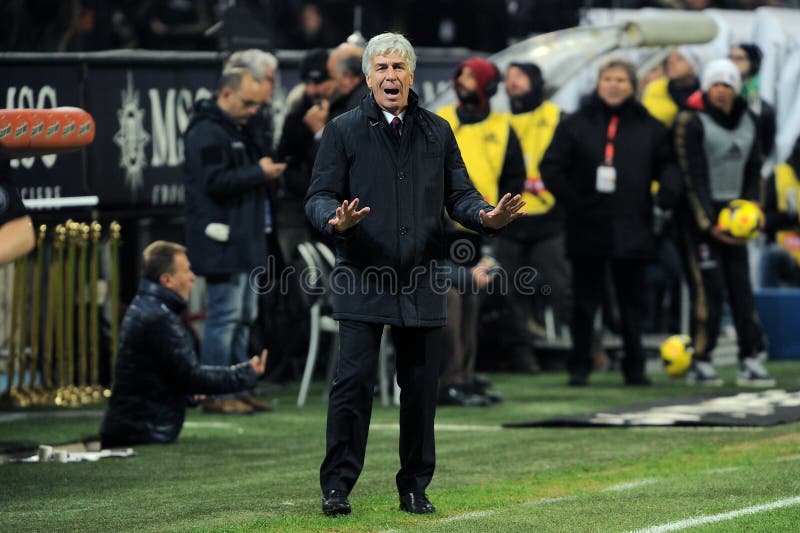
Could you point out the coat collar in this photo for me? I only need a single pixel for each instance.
(170, 298)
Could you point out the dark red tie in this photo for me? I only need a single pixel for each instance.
(397, 127)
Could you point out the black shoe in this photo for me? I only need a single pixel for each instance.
(416, 503)
(454, 395)
(335, 503)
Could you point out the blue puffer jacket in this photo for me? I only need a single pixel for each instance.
(157, 370)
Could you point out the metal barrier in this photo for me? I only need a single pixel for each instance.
(54, 352)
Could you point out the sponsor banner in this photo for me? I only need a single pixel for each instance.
(141, 110)
(44, 87)
(764, 408)
(141, 115)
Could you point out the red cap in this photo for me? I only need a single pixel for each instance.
(486, 74)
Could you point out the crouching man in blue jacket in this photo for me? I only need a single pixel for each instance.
(157, 370)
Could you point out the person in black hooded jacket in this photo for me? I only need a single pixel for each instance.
(599, 167)
(157, 372)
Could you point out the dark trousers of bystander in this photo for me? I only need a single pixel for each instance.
(589, 278)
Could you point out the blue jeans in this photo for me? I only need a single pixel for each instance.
(232, 308)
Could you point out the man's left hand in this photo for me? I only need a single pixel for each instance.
(507, 209)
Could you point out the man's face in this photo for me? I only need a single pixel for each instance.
(614, 86)
(243, 103)
(678, 68)
(721, 96)
(182, 279)
(466, 83)
(319, 91)
(740, 59)
(390, 80)
(517, 82)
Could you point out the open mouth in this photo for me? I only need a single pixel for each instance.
(391, 91)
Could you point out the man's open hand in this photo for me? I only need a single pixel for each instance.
(259, 363)
(507, 209)
(347, 216)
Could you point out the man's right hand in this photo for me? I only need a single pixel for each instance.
(259, 363)
(317, 116)
(347, 216)
(270, 168)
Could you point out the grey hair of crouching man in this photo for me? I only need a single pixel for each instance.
(388, 44)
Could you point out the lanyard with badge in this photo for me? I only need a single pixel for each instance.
(606, 181)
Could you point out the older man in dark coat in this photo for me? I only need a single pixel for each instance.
(403, 164)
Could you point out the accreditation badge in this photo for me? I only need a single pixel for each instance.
(606, 181)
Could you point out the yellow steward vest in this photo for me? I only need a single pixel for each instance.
(483, 148)
(535, 130)
(658, 102)
(786, 183)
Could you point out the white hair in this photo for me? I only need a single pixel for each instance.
(256, 62)
(388, 44)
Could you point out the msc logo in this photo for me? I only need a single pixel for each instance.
(85, 128)
(52, 129)
(68, 129)
(131, 137)
(21, 130)
(5, 132)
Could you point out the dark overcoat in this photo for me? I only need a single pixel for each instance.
(618, 224)
(388, 267)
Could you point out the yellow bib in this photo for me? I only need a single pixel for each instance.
(483, 148)
(535, 131)
(786, 184)
(658, 102)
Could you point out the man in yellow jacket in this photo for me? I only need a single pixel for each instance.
(665, 96)
(494, 161)
(538, 239)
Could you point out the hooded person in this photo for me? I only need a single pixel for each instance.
(495, 163)
(490, 148)
(538, 239)
(666, 96)
(748, 57)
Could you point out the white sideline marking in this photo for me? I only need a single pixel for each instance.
(700, 520)
(630, 485)
(481, 514)
(475, 514)
(545, 501)
(441, 427)
(723, 470)
(788, 458)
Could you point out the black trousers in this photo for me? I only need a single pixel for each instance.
(712, 268)
(588, 279)
(418, 352)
